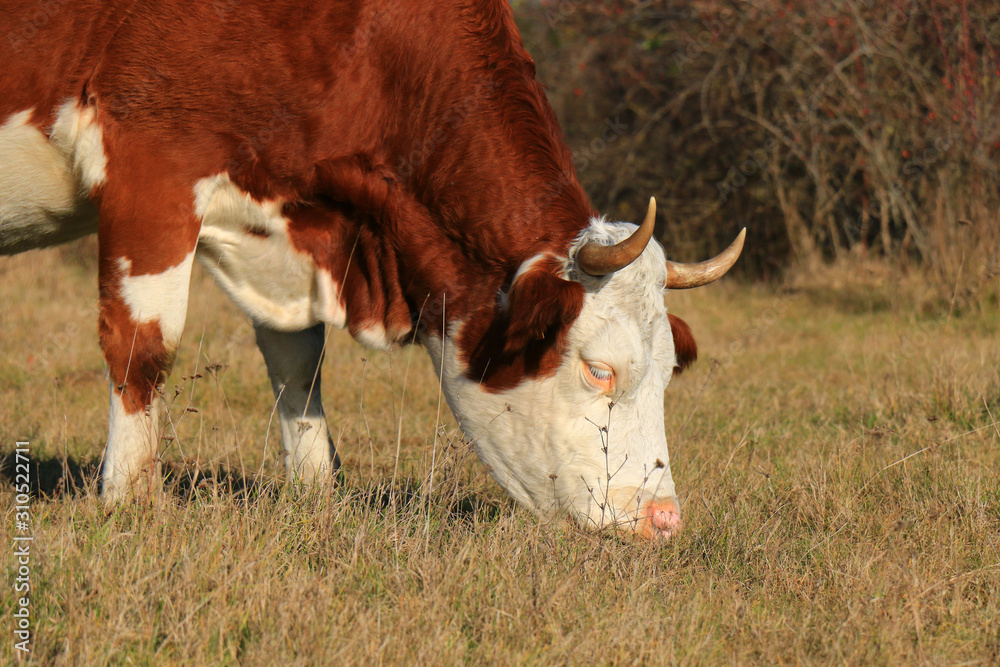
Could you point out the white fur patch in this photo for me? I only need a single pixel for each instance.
(307, 446)
(130, 457)
(262, 273)
(40, 203)
(161, 297)
(77, 134)
(326, 306)
(373, 336)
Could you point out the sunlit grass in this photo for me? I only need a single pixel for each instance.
(839, 471)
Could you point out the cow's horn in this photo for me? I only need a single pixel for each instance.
(683, 276)
(600, 260)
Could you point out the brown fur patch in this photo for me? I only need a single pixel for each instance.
(137, 359)
(539, 304)
(502, 347)
(685, 347)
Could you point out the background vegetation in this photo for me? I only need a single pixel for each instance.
(829, 128)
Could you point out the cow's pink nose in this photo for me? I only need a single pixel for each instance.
(662, 518)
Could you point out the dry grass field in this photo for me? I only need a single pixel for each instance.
(836, 449)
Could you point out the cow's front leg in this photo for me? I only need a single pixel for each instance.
(141, 320)
(147, 235)
(293, 365)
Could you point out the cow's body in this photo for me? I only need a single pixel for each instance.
(388, 167)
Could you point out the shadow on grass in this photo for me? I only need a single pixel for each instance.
(57, 477)
(408, 496)
(54, 477)
(50, 477)
(185, 482)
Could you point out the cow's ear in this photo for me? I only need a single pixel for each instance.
(538, 304)
(685, 347)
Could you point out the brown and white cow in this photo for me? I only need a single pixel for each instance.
(388, 167)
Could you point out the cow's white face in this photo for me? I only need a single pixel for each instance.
(590, 438)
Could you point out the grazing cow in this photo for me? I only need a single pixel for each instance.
(388, 167)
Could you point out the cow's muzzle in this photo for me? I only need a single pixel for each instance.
(660, 519)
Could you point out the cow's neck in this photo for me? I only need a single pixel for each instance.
(402, 252)
(468, 177)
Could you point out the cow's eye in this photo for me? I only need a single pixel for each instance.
(599, 375)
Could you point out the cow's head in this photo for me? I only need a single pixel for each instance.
(561, 393)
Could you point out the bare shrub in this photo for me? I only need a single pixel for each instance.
(832, 128)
